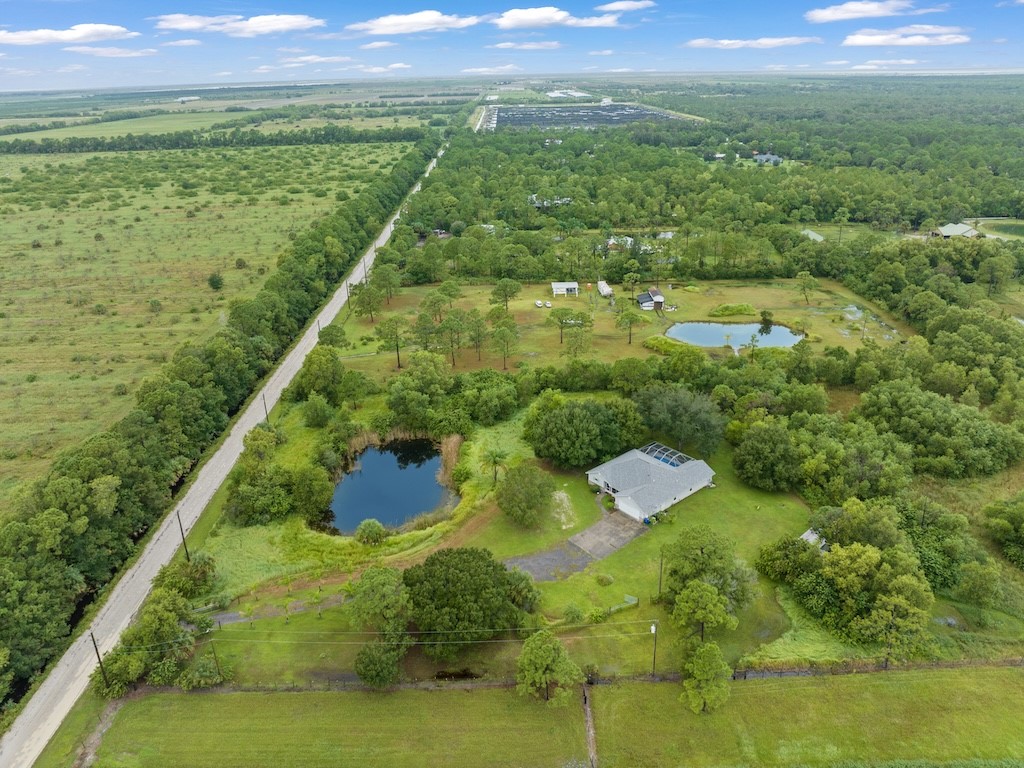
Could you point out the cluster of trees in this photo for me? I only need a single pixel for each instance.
(160, 643)
(706, 586)
(452, 599)
(868, 586)
(196, 139)
(74, 528)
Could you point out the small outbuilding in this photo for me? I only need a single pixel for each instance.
(565, 289)
(604, 289)
(814, 538)
(651, 299)
(810, 234)
(649, 480)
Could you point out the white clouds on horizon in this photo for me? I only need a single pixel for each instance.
(187, 43)
(413, 23)
(547, 45)
(376, 45)
(867, 9)
(76, 33)
(504, 69)
(912, 35)
(761, 42)
(550, 16)
(621, 6)
(876, 64)
(238, 26)
(111, 52)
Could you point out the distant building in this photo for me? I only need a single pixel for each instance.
(651, 299)
(537, 202)
(812, 235)
(769, 158)
(649, 480)
(666, 235)
(619, 243)
(565, 289)
(956, 230)
(604, 289)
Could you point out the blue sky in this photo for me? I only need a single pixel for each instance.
(52, 44)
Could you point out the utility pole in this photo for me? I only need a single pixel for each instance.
(266, 411)
(216, 661)
(103, 670)
(654, 657)
(188, 558)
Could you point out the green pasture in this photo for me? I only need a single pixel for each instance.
(106, 264)
(937, 715)
(451, 727)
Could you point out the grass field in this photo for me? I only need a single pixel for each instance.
(106, 265)
(929, 715)
(188, 121)
(1012, 229)
(408, 728)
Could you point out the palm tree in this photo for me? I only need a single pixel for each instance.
(495, 458)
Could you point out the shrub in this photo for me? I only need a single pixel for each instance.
(215, 280)
(371, 532)
(728, 310)
(317, 411)
(605, 579)
(524, 494)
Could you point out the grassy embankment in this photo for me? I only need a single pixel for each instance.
(107, 267)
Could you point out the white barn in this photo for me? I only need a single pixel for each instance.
(565, 289)
(648, 480)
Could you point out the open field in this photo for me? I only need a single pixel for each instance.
(451, 728)
(928, 715)
(188, 121)
(106, 270)
(833, 317)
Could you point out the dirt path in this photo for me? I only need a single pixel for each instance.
(87, 754)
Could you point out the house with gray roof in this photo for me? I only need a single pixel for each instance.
(811, 235)
(956, 230)
(649, 480)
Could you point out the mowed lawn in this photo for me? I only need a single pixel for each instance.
(938, 715)
(453, 728)
(105, 270)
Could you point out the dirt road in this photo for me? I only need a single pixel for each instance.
(50, 704)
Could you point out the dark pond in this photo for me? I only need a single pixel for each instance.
(735, 335)
(392, 484)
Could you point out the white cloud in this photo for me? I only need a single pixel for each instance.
(412, 23)
(382, 70)
(875, 64)
(302, 61)
(837, 62)
(605, 52)
(238, 26)
(549, 16)
(181, 43)
(626, 5)
(619, 70)
(71, 68)
(867, 9)
(223, 74)
(913, 35)
(502, 70)
(761, 42)
(377, 45)
(110, 52)
(547, 45)
(77, 33)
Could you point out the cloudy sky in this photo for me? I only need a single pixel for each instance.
(49, 44)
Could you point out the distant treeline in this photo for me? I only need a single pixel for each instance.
(74, 529)
(109, 117)
(196, 139)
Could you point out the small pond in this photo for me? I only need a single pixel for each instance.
(735, 335)
(393, 484)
